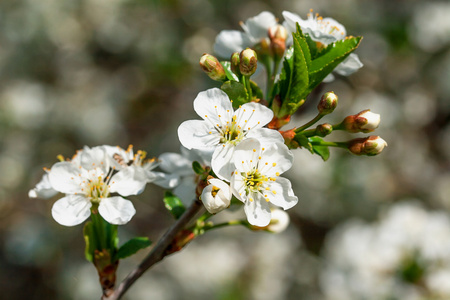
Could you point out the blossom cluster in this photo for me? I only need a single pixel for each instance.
(405, 255)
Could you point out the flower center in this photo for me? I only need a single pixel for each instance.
(97, 189)
(231, 133)
(254, 180)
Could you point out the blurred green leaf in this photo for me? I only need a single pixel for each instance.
(236, 92)
(131, 247)
(322, 151)
(256, 90)
(303, 141)
(88, 233)
(173, 204)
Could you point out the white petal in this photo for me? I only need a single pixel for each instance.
(186, 190)
(129, 181)
(167, 181)
(277, 158)
(175, 163)
(334, 28)
(116, 210)
(330, 77)
(196, 134)
(266, 136)
(71, 210)
(203, 156)
(257, 211)
(222, 163)
(257, 27)
(291, 20)
(349, 65)
(95, 157)
(43, 189)
(214, 105)
(229, 41)
(223, 186)
(65, 177)
(284, 195)
(246, 155)
(238, 186)
(253, 115)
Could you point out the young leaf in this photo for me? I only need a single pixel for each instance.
(173, 204)
(322, 151)
(236, 92)
(256, 90)
(332, 56)
(197, 167)
(227, 67)
(303, 142)
(91, 246)
(131, 247)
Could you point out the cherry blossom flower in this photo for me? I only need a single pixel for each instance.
(216, 196)
(43, 189)
(255, 30)
(88, 180)
(325, 31)
(222, 128)
(256, 180)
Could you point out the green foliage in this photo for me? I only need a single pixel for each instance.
(227, 67)
(305, 66)
(131, 247)
(173, 204)
(304, 142)
(91, 245)
(197, 167)
(322, 151)
(236, 91)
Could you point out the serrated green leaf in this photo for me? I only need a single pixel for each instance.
(312, 45)
(227, 67)
(131, 247)
(333, 55)
(88, 233)
(303, 142)
(236, 92)
(197, 167)
(173, 204)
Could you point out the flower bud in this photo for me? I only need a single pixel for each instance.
(263, 49)
(364, 121)
(248, 62)
(279, 221)
(212, 67)
(323, 130)
(216, 196)
(327, 103)
(278, 32)
(234, 63)
(370, 146)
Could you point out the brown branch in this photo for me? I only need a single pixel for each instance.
(157, 253)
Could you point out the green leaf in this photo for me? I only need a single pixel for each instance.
(197, 167)
(322, 151)
(173, 204)
(131, 247)
(236, 92)
(227, 67)
(303, 142)
(89, 238)
(312, 45)
(256, 90)
(332, 56)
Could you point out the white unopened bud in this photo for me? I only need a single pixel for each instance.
(370, 146)
(279, 221)
(216, 196)
(372, 120)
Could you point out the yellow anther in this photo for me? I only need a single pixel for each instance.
(274, 164)
(274, 192)
(254, 150)
(266, 163)
(251, 199)
(267, 199)
(277, 173)
(206, 116)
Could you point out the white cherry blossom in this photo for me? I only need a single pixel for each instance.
(43, 189)
(216, 196)
(255, 30)
(256, 180)
(325, 31)
(222, 128)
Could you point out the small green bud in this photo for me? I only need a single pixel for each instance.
(323, 130)
(212, 67)
(248, 62)
(327, 103)
(234, 63)
(370, 146)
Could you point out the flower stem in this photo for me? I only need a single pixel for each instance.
(331, 144)
(248, 87)
(229, 223)
(310, 123)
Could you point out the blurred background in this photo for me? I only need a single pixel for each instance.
(120, 72)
